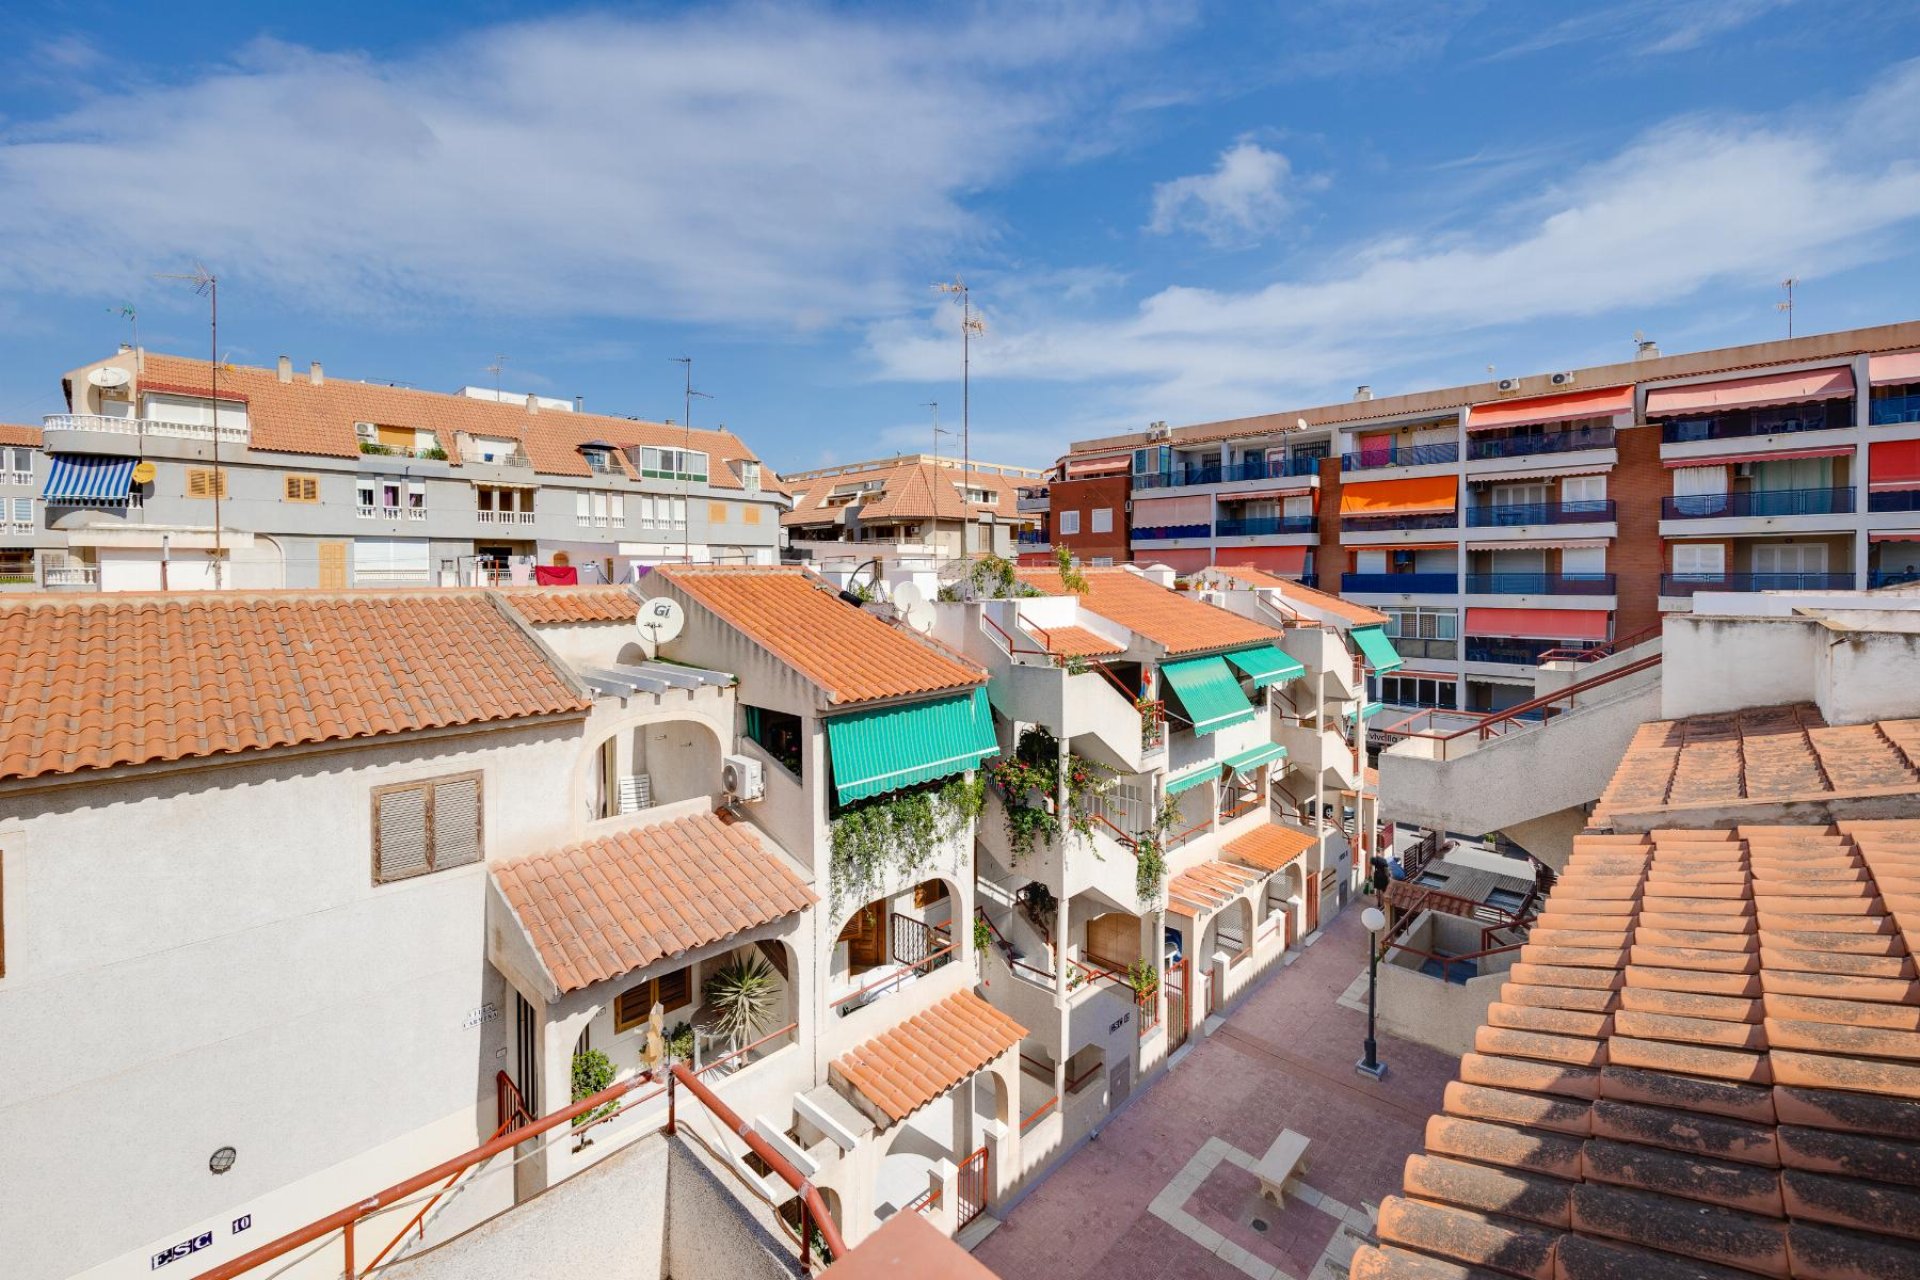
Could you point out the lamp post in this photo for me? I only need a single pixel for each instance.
(1375, 919)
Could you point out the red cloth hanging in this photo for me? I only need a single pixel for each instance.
(555, 575)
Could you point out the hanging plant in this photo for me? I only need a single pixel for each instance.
(899, 832)
(1150, 858)
(1033, 769)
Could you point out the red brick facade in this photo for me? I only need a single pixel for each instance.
(1637, 484)
(1085, 497)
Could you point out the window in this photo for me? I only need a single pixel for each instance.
(597, 459)
(1423, 624)
(422, 827)
(1419, 691)
(666, 513)
(300, 488)
(1519, 495)
(22, 470)
(616, 509)
(1102, 520)
(750, 478)
(778, 733)
(206, 482)
(1101, 562)
(1298, 507)
(670, 991)
(1789, 557)
(583, 509)
(23, 512)
(716, 513)
(1699, 559)
(1581, 490)
(1583, 561)
(673, 464)
(749, 513)
(1069, 522)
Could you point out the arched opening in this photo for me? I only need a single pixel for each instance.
(748, 1007)
(885, 944)
(916, 1144)
(561, 559)
(656, 763)
(1230, 931)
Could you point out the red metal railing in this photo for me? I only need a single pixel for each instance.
(1020, 967)
(1039, 1113)
(970, 1185)
(1606, 650)
(1076, 1083)
(925, 1202)
(1515, 717)
(844, 1003)
(746, 1049)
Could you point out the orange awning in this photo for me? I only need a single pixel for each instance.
(1097, 467)
(1400, 497)
(1539, 624)
(1739, 393)
(1560, 408)
(1894, 464)
(1284, 561)
(1900, 367)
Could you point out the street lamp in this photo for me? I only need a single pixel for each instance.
(1375, 919)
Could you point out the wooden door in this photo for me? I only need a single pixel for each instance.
(333, 566)
(866, 936)
(1313, 904)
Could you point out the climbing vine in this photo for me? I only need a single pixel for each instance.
(1150, 856)
(1033, 769)
(898, 833)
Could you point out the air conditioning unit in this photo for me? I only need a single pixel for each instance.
(742, 778)
(1743, 470)
(365, 430)
(1561, 379)
(1508, 386)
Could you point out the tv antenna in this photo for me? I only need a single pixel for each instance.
(1787, 306)
(686, 435)
(207, 285)
(499, 363)
(938, 430)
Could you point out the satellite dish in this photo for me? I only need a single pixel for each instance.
(913, 609)
(110, 376)
(144, 473)
(659, 620)
(906, 596)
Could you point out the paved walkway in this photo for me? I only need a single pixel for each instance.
(1165, 1191)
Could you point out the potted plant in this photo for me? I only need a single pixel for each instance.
(592, 1072)
(742, 994)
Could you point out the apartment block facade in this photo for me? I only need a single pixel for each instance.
(289, 479)
(920, 506)
(1561, 513)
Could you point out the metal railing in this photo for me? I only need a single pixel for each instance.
(1604, 650)
(1401, 455)
(1759, 502)
(1264, 526)
(1521, 716)
(1480, 448)
(1891, 409)
(1401, 583)
(1738, 424)
(486, 516)
(1425, 647)
(1891, 577)
(1540, 584)
(146, 427)
(1685, 584)
(1406, 520)
(1506, 515)
(383, 512)
(1214, 473)
(1167, 532)
(1508, 649)
(1894, 500)
(744, 1055)
(864, 996)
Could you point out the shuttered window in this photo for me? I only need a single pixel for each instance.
(426, 826)
(301, 488)
(670, 991)
(205, 482)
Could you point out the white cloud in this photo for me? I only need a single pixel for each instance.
(1649, 27)
(1689, 206)
(1243, 199)
(748, 165)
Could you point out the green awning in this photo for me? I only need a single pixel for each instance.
(1377, 649)
(1209, 693)
(1253, 757)
(898, 746)
(1267, 665)
(1192, 777)
(1367, 712)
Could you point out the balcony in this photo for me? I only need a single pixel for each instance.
(1736, 424)
(1758, 502)
(1443, 584)
(1426, 647)
(426, 453)
(1539, 584)
(1672, 584)
(73, 575)
(1168, 532)
(1034, 538)
(147, 427)
(1894, 500)
(1264, 526)
(1483, 447)
(1509, 650)
(367, 512)
(1891, 409)
(1399, 455)
(1214, 473)
(1506, 515)
(1891, 577)
(487, 516)
(1026, 505)
(1412, 520)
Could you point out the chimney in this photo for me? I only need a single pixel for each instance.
(286, 368)
(579, 403)
(316, 375)
(1646, 349)
(533, 405)
(1363, 392)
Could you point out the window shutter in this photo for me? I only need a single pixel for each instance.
(198, 484)
(400, 843)
(632, 1006)
(582, 508)
(675, 989)
(616, 508)
(456, 822)
(23, 510)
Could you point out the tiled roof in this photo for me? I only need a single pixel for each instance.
(94, 681)
(907, 1245)
(1075, 642)
(548, 605)
(12, 433)
(1269, 847)
(911, 491)
(298, 417)
(799, 619)
(1176, 621)
(901, 1070)
(619, 903)
(1706, 1063)
(1768, 756)
(1210, 886)
(1357, 615)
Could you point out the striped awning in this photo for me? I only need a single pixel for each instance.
(891, 747)
(1193, 777)
(1267, 665)
(1252, 758)
(90, 479)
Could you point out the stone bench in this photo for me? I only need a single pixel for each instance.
(1284, 1164)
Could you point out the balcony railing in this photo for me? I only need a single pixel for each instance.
(1399, 455)
(1758, 502)
(503, 517)
(72, 575)
(1891, 577)
(1505, 649)
(145, 427)
(1540, 584)
(1831, 415)
(1507, 515)
(1425, 647)
(1034, 538)
(1685, 584)
(1894, 500)
(1895, 409)
(1400, 583)
(1214, 473)
(1481, 447)
(1409, 520)
(1263, 526)
(1166, 532)
(367, 512)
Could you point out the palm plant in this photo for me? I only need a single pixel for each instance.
(742, 994)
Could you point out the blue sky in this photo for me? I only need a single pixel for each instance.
(1167, 211)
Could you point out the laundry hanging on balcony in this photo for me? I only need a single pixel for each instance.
(88, 479)
(1267, 665)
(897, 746)
(1377, 649)
(1208, 693)
(1422, 495)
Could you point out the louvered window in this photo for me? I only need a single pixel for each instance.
(633, 1006)
(420, 827)
(205, 482)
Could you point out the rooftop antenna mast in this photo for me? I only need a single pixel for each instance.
(970, 324)
(207, 285)
(499, 363)
(686, 436)
(938, 430)
(1787, 306)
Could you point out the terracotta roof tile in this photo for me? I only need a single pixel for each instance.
(905, 1068)
(609, 906)
(1354, 614)
(15, 434)
(97, 681)
(1177, 622)
(1269, 847)
(907, 491)
(1075, 642)
(1210, 886)
(544, 606)
(794, 615)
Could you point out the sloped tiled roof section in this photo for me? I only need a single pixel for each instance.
(1354, 614)
(1761, 757)
(298, 417)
(908, 491)
(902, 1070)
(1269, 847)
(1075, 642)
(551, 606)
(801, 620)
(1706, 1062)
(92, 682)
(607, 907)
(1210, 886)
(1177, 622)
(15, 434)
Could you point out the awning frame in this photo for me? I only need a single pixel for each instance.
(1377, 649)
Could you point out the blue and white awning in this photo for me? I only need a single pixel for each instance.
(88, 479)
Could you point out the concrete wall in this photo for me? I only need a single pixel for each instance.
(1441, 1015)
(1856, 670)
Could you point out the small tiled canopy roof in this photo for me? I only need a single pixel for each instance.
(95, 681)
(907, 1247)
(1075, 642)
(1354, 614)
(1210, 886)
(547, 606)
(801, 620)
(1760, 756)
(619, 903)
(1269, 847)
(14, 434)
(1706, 1062)
(902, 1070)
(1177, 622)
